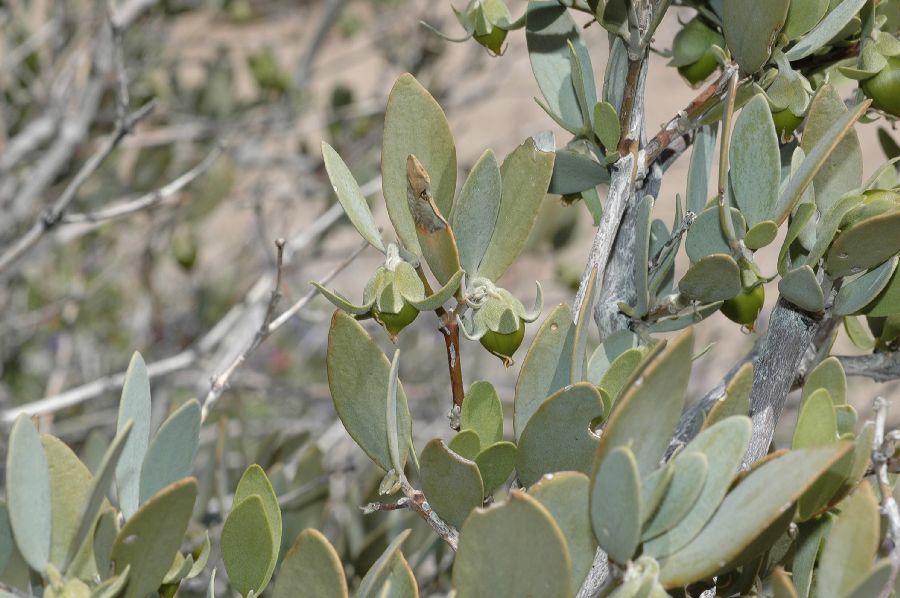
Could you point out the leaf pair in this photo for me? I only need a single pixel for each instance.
(144, 467)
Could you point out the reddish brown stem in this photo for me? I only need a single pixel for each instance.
(450, 330)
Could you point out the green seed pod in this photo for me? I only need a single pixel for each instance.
(394, 295)
(744, 308)
(498, 319)
(692, 51)
(884, 88)
(488, 22)
(786, 122)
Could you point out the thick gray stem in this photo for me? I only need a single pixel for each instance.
(790, 333)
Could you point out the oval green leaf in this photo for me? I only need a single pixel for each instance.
(526, 176)
(546, 367)
(248, 546)
(311, 569)
(172, 452)
(482, 412)
(28, 493)
(352, 200)
(565, 495)
(757, 502)
(475, 211)
(616, 505)
(451, 484)
(358, 375)
(859, 292)
(152, 535)
(558, 436)
(751, 29)
(499, 557)
(755, 171)
(713, 278)
(135, 406)
(414, 123)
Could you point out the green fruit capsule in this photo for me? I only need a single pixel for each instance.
(884, 88)
(493, 41)
(786, 122)
(394, 323)
(698, 72)
(504, 345)
(692, 51)
(744, 308)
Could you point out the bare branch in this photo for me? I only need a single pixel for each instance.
(621, 188)
(790, 333)
(76, 225)
(269, 325)
(882, 451)
(880, 367)
(50, 218)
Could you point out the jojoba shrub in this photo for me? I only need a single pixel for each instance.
(598, 474)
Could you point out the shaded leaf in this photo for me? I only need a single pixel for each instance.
(800, 287)
(495, 464)
(864, 245)
(842, 170)
(736, 400)
(761, 235)
(803, 15)
(750, 30)
(248, 546)
(713, 278)
(705, 237)
(606, 125)
(70, 487)
(836, 19)
(887, 303)
(574, 172)
(311, 568)
(466, 444)
(859, 292)
(816, 160)
(700, 168)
